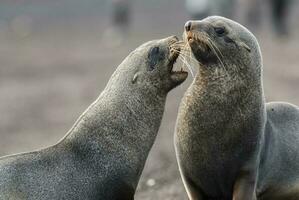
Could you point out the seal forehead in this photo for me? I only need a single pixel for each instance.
(140, 52)
(236, 30)
(219, 19)
(149, 44)
(235, 26)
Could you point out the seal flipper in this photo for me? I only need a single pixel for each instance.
(245, 186)
(279, 194)
(193, 191)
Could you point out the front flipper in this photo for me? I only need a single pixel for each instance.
(193, 192)
(245, 185)
(281, 193)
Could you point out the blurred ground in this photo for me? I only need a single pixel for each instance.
(52, 69)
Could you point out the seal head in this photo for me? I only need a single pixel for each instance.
(156, 69)
(224, 48)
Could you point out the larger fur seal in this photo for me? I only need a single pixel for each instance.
(230, 144)
(102, 156)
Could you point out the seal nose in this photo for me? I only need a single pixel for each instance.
(188, 25)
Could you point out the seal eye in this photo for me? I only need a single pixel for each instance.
(219, 30)
(154, 56)
(155, 50)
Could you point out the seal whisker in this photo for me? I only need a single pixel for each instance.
(185, 51)
(188, 49)
(183, 59)
(213, 47)
(187, 64)
(180, 46)
(220, 60)
(187, 56)
(205, 37)
(218, 50)
(179, 43)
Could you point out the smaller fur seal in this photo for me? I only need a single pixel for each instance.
(104, 153)
(230, 144)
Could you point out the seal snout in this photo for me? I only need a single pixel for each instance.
(174, 54)
(198, 41)
(189, 26)
(177, 77)
(195, 38)
(174, 49)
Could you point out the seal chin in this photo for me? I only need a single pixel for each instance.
(177, 77)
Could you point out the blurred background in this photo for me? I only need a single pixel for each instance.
(56, 56)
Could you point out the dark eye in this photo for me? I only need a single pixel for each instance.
(154, 56)
(219, 30)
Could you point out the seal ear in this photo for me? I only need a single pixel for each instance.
(242, 44)
(135, 78)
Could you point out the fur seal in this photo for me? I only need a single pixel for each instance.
(103, 154)
(229, 143)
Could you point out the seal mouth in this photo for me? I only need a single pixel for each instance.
(199, 45)
(174, 52)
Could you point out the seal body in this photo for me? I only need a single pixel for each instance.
(278, 177)
(104, 153)
(227, 138)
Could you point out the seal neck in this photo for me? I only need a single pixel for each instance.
(121, 113)
(221, 104)
(120, 127)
